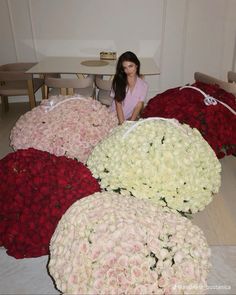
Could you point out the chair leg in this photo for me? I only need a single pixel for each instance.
(44, 92)
(5, 104)
(94, 95)
(44, 88)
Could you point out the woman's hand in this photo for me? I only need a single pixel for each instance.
(120, 113)
(138, 108)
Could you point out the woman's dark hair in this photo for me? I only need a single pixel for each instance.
(119, 82)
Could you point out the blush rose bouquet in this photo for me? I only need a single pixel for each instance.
(158, 159)
(113, 244)
(216, 122)
(64, 126)
(36, 189)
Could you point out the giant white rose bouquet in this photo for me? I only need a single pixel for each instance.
(158, 159)
(113, 244)
(69, 126)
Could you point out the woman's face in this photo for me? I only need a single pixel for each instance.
(130, 68)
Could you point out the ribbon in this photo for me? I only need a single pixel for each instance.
(52, 105)
(210, 100)
(173, 121)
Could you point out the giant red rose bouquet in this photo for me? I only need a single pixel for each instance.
(36, 189)
(216, 123)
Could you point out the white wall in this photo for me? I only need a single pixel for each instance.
(199, 36)
(183, 36)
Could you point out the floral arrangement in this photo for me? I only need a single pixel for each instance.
(158, 159)
(216, 122)
(113, 244)
(36, 189)
(69, 126)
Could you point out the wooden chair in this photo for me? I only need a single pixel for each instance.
(70, 86)
(104, 90)
(15, 82)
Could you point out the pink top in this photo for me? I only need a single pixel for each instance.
(138, 93)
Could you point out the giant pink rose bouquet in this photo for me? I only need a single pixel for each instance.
(113, 244)
(64, 126)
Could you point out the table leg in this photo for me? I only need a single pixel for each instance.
(31, 93)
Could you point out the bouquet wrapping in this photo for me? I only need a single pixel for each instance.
(216, 122)
(36, 189)
(64, 126)
(113, 244)
(158, 159)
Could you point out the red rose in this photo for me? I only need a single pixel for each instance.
(215, 122)
(36, 189)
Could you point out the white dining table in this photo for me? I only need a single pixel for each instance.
(71, 65)
(83, 66)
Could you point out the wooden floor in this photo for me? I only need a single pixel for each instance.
(218, 221)
(7, 121)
